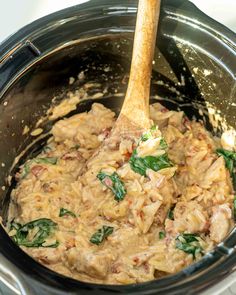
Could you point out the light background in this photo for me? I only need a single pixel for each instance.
(14, 14)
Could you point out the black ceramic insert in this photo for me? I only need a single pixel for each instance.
(194, 69)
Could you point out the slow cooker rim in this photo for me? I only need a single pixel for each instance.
(6, 46)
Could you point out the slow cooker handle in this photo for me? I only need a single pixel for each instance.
(15, 61)
(12, 278)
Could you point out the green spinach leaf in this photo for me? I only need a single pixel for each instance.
(140, 165)
(114, 183)
(14, 225)
(99, 236)
(229, 157)
(170, 213)
(46, 149)
(149, 134)
(163, 144)
(43, 227)
(64, 212)
(162, 235)
(48, 160)
(189, 243)
(230, 163)
(234, 209)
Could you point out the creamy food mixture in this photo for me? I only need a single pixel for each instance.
(141, 211)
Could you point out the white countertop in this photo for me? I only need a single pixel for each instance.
(14, 14)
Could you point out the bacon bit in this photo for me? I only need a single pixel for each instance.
(169, 226)
(70, 244)
(193, 150)
(108, 181)
(164, 110)
(43, 260)
(160, 180)
(113, 146)
(146, 267)
(108, 218)
(196, 149)
(37, 170)
(209, 146)
(47, 188)
(134, 145)
(37, 198)
(201, 136)
(161, 216)
(17, 176)
(141, 214)
(181, 165)
(87, 205)
(106, 132)
(186, 120)
(67, 200)
(75, 220)
(67, 156)
(119, 164)
(186, 123)
(169, 238)
(130, 202)
(72, 156)
(206, 226)
(183, 262)
(205, 157)
(136, 260)
(127, 155)
(115, 268)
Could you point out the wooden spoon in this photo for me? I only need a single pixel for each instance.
(134, 116)
(134, 119)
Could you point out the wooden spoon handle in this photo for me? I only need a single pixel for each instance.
(136, 104)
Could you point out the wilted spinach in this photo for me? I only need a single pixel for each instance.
(234, 208)
(162, 235)
(230, 162)
(189, 243)
(114, 183)
(149, 134)
(99, 236)
(44, 227)
(64, 212)
(163, 144)
(170, 213)
(140, 165)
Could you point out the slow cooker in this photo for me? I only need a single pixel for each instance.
(193, 70)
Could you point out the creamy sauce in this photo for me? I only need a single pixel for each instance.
(155, 224)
